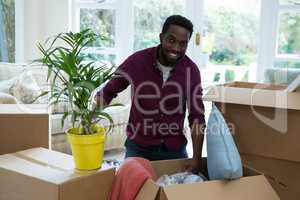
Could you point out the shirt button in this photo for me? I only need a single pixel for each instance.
(162, 141)
(161, 115)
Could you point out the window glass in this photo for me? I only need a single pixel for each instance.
(149, 16)
(102, 21)
(231, 31)
(289, 33)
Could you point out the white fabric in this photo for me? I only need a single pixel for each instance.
(6, 84)
(7, 99)
(223, 158)
(25, 88)
(165, 70)
(180, 178)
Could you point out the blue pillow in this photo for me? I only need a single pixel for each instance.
(223, 158)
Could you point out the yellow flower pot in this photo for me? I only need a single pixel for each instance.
(88, 149)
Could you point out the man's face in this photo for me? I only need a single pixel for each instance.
(173, 44)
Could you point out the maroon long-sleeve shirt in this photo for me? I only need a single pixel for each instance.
(158, 109)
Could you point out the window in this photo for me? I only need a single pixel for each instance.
(288, 35)
(230, 38)
(7, 31)
(226, 31)
(280, 35)
(231, 31)
(149, 16)
(101, 17)
(126, 26)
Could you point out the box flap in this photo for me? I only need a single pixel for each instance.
(255, 94)
(248, 188)
(283, 175)
(294, 85)
(148, 191)
(169, 167)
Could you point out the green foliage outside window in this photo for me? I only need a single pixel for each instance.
(230, 37)
(149, 16)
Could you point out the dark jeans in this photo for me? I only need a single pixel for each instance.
(159, 152)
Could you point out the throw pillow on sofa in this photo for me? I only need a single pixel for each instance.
(25, 88)
(6, 84)
(7, 99)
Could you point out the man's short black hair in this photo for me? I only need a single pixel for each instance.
(179, 21)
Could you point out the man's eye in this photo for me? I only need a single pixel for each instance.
(171, 40)
(183, 44)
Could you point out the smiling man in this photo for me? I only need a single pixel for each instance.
(164, 82)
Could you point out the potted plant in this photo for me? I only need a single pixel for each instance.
(73, 80)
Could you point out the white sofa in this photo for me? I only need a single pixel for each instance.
(24, 82)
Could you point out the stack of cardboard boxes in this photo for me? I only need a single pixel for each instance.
(29, 172)
(265, 121)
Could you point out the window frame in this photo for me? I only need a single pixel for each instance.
(279, 57)
(268, 49)
(123, 28)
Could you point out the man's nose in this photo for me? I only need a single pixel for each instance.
(176, 47)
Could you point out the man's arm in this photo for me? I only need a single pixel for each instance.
(117, 84)
(196, 119)
(197, 134)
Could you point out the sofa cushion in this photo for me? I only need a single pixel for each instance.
(10, 70)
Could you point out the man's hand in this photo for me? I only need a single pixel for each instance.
(194, 165)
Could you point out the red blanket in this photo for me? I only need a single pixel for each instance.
(130, 178)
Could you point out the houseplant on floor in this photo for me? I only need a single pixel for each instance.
(74, 80)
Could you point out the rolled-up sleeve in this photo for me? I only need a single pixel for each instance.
(194, 101)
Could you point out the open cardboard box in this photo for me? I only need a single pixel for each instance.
(23, 127)
(264, 120)
(39, 173)
(252, 186)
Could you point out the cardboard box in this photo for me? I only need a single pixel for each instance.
(23, 127)
(261, 116)
(283, 175)
(39, 173)
(252, 186)
(265, 123)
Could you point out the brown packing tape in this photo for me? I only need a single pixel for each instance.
(277, 181)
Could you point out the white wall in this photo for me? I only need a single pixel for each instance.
(42, 19)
